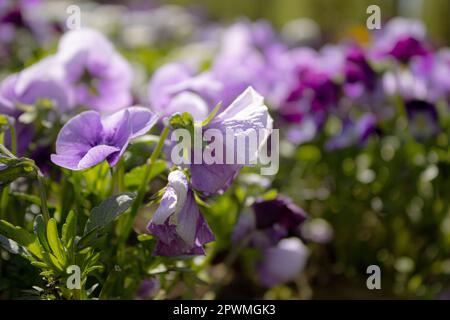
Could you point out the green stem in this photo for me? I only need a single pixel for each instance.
(43, 196)
(119, 177)
(12, 131)
(4, 202)
(128, 225)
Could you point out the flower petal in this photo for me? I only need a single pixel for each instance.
(96, 155)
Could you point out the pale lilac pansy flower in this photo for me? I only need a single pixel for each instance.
(244, 116)
(282, 263)
(88, 139)
(178, 223)
(176, 88)
(100, 77)
(41, 81)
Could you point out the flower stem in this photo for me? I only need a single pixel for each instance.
(128, 225)
(12, 131)
(43, 196)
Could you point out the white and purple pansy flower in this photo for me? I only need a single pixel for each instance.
(178, 223)
(244, 116)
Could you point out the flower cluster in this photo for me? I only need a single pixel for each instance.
(87, 127)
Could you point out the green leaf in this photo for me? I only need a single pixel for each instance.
(69, 230)
(15, 168)
(39, 230)
(22, 237)
(55, 242)
(108, 211)
(134, 177)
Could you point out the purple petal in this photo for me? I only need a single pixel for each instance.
(96, 155)
(79, 134)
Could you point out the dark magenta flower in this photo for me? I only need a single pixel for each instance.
(359, 75)
(401, 39)
(87, 139)
(178, 223)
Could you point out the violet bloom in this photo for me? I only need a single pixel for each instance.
(148, 288)
(178, 223)
(401, 39)
(87, 139)
(239, 64)
(37, 83)
(353, 133)
(100, 77)
(176, 88)
(280, 210)
(270, 221)
(433, 73)
(244, 116)
(359, 75)
(423, 119)
(312, 91)
(41, 81)
(282, 263)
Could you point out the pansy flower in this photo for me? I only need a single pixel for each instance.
(269, 222)
(88, 139)
(176, 88)
(282, 263)
(178, 223)
(100, 77)
(401, 39)
(244, 116)
(422, 119)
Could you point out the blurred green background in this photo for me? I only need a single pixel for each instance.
(333, 16)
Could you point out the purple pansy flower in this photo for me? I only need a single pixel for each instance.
(401, 39)
(178, 223)
(176, 88)
(282, 263)
(311, 91)
(359, 75)
(433, 71)
(269, 222)
(353, 133)
(423, 119)
(280, 210)
(41, 81)
(246, 115)
(148, 288)
(87, 139)
(101, 78)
